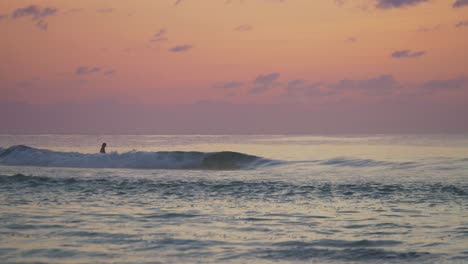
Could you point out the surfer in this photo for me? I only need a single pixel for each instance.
(103, 148)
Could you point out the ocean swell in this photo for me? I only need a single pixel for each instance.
(350, 162)
(225, 160)
(417, 192)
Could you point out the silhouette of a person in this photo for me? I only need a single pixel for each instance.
(103, 148)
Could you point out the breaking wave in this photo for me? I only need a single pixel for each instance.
(226, 160)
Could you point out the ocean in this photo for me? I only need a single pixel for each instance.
(234, 199)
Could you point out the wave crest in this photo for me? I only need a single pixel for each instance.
(225, 160)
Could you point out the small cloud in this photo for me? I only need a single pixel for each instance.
(387, 4)
(301, 88)
(35, 11)
(177, 2)
(243, 28)
(227, 2)
(263, 82)
(83, 70)
(28, 82)
(3, 16)
(105, 10)
(258, 89)
(41, 24)
(181, 48)
(462, 24)
(230, 85)
(460, 3)
(295, 83)
(38, 14)
(160, 36)
(266, 79)
(407, 54)
(109, 73)
(351, 39)
(428, 29)
(339, 2)
(379, 85)
(73, 11)
(447, 84)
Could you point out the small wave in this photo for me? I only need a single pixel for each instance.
(340, 243)
(225, 160)
(408, 192)
(350, 162)
(341, 250)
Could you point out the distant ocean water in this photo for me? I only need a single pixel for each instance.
(234, 199)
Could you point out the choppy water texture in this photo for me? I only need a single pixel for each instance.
(234, 199)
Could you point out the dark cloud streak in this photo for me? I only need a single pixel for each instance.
(83, 70)
(407, 54)
(387, 4)
(460, 3)
(181, 48)
(35, 11)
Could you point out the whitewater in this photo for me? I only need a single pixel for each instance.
(234, 199)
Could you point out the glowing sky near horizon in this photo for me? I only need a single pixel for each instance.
(238, 51)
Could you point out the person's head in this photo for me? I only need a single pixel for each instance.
(104, 145)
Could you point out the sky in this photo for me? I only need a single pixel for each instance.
(234, 66)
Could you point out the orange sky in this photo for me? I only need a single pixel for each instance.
(319, 41)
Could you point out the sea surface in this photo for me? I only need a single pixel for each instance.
(234, 199)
